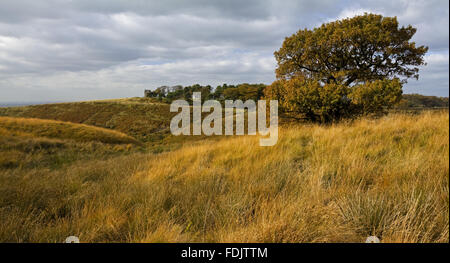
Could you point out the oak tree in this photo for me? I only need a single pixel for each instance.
(345, 68)
(366, 47)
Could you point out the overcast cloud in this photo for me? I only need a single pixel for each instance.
(63, 50)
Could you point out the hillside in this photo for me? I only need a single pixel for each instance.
(142, 118)
(35, 143)
(421, 101)
(387, 177)
(28, 127)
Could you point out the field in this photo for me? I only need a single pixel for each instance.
(321, 183)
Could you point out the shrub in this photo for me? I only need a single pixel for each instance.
(307, 98)
(373, 97)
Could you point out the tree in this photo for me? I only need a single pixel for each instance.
(244, 92)
(362, 48)
(345, 68)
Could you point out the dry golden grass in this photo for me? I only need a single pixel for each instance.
(142, 118)
(35, 143)
(145, 119)
(387, 177)
(28, 127)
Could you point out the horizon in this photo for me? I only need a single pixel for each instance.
(31, 103)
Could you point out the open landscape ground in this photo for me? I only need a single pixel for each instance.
(93, 170)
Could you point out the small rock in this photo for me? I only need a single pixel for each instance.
(72, 239)
(372, 239)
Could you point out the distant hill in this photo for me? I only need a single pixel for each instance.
(20, 103)
(421, 101)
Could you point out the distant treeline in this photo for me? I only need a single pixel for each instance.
(421, 101)
(221, 93)
(255, 92)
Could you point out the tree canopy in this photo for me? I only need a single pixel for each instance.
(362, 48)
(244, 91)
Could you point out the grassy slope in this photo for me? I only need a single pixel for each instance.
(145, 119)
(142, 118)
(387, 177)
(26, 143)
(29, 127)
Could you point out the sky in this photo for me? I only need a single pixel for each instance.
(71, 50)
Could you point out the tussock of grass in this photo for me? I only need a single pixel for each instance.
(27, 127)
(387, 177)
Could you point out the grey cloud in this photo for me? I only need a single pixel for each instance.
(434, 78)
(70, 48)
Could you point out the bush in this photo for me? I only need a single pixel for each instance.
(374, 97)
(307, 98)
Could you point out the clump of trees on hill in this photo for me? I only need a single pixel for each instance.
(345, 68)
(221, 93)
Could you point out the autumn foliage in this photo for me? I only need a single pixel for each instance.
(345, 68)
